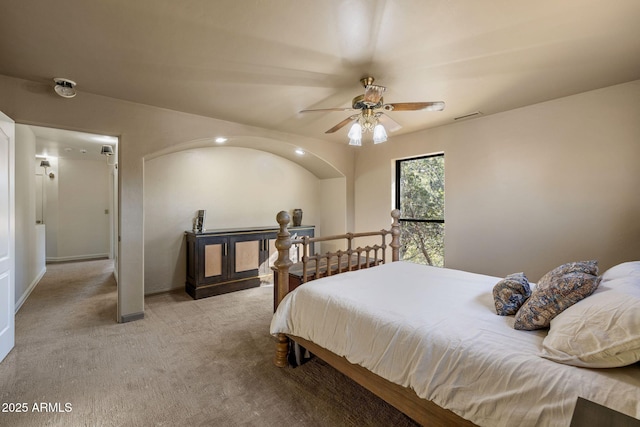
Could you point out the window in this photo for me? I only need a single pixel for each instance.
(420, 198)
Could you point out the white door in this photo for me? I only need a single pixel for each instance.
(7, 235)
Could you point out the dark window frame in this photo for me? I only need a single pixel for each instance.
(398, 196)
(397, 186)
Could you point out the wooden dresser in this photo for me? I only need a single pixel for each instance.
(227, 260)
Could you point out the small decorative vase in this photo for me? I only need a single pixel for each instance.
(297, 217)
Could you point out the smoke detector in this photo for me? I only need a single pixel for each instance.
(64, 87)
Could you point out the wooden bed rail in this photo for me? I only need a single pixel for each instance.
(373, 255)
(352, 258)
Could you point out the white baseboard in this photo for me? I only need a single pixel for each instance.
(31, 287)
(77, 258)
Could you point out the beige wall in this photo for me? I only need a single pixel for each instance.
(82, 226)
(49, 203)
(75, 201)
(30, 265)
(528, 189)
(333, 201)
(234, 185)
(143, 131)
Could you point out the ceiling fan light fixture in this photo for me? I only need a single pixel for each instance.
(355, 142)
(64, 87)
(379, 134)
(373, 95)
(355, 134)
(367, 120)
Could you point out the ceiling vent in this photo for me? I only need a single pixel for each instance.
(65, 88)
(468, 116)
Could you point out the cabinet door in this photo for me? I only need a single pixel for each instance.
(213, 253)
(245, 253)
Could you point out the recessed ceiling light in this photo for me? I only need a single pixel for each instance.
(300, 151)
(221, 139)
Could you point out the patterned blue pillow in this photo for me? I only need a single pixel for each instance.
(510, 293)
(556, 291)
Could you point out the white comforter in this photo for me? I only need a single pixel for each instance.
(435, 330)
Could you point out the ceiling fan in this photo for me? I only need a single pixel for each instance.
(371, 116)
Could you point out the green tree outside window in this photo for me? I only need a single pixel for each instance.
(420, 198)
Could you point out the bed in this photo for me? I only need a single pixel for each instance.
(428, 340)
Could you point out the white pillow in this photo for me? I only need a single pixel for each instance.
(626, 270)
(602, 330)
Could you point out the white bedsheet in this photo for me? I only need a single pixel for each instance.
(435, 330)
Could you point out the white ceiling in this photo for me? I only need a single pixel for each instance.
(70, 144)
(260, 62)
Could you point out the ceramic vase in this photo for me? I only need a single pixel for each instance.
(297, 217)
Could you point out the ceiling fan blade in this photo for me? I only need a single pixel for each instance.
(415, 106)
(390, 124)
(327, 109)
(341, 124)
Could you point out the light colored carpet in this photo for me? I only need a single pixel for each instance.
(188, 363)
